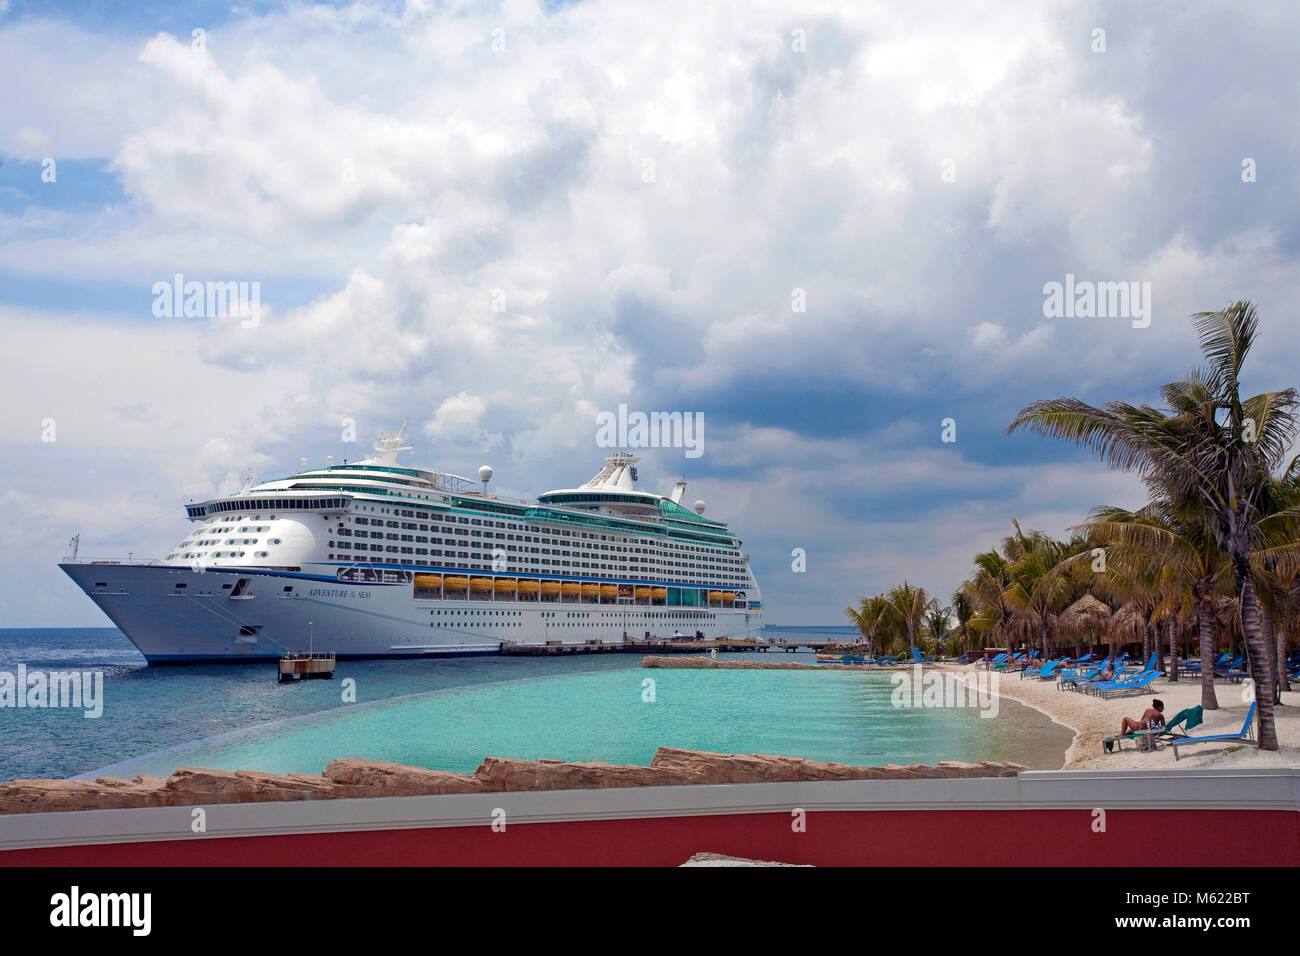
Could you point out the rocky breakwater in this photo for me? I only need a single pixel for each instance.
(354, 777)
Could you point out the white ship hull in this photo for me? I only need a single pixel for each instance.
(203, 620)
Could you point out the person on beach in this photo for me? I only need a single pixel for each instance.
(1152, 717)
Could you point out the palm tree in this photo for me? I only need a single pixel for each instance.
(1277, 568)
(1040, 583)
(868, 617)
(989, 589)
(1212, 446)
(909, 606)
(963, 610)
(1161, 535)
(938, 621)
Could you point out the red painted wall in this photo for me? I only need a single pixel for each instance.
(1216, 838)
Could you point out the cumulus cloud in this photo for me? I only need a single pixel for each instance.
(824, 228)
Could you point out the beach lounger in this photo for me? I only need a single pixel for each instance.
(1231, 667)
(1043, 670)
(1093, 676)
(1050, 670)
(1070, 681)
(1137, 686)
(1183, 721)
(1246, 736)
(1116, 684)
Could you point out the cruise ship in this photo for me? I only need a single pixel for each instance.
(377, 559)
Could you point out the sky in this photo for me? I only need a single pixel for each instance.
(825, 228)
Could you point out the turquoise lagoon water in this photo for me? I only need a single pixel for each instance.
(449, 715)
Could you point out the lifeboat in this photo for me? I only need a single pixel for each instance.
(715, 595)
(590, 590)
(480, 584)
(570, 587)
(429, 582)
(504, 585)
(729, 596)
(455, 583)
(550, 587)
(643, 592)
(659, 593)
(529, 587)
(609, 590)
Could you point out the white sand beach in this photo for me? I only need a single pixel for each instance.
(1093, 719)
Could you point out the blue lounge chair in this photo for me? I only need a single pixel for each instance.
(1117, 683)
(1176, 728)
(1232, 666)
(1050, 670)
(1042, 670)
(1008, 662)
(1246, 736)
(1136, 686)
(1090, 678)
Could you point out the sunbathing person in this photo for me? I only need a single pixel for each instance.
(1152, 717)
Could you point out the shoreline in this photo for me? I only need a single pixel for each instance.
(1092, 719)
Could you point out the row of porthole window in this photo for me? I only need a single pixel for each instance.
(481, 613)
(498, 624)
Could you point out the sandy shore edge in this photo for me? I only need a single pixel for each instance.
(1092, 719)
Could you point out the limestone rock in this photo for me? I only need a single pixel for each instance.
(355, 777)
(504, 773)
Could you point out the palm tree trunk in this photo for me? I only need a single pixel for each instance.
(1283, 685)
(1259, 652)
(1175, 653)
(1208, 699)
(1270, 641)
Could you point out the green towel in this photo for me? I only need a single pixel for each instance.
(1191, 717)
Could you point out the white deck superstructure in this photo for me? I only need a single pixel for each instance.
(375, 559)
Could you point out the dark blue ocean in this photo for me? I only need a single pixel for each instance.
(450, 714)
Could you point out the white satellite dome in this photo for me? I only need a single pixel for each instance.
(699, 507)
(485, 473)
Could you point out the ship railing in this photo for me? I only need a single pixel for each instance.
(82, 559)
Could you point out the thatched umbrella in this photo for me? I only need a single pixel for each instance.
(1126, 626)
(1086, 617)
